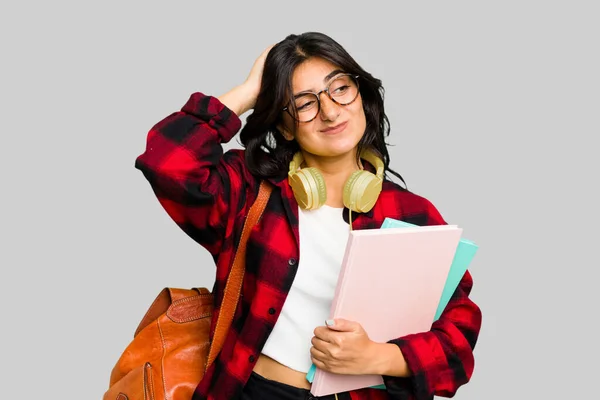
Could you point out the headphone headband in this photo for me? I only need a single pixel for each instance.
(296, 162)
(372, 158)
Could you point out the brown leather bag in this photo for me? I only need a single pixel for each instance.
(171, 349)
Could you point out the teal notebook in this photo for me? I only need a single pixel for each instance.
(465, 252)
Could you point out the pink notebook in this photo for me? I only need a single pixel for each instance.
(384, 272)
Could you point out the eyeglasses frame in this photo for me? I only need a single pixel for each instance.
(326, 90)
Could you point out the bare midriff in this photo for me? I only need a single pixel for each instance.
(270, 369)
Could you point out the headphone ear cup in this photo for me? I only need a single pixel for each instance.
(361, 191)
(309, 189)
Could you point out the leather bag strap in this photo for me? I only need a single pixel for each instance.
(233, 286)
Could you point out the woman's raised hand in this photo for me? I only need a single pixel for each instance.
(243, 97)
(255, 76)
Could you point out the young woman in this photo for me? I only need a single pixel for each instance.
(317, 135)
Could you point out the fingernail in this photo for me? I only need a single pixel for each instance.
(329, 322)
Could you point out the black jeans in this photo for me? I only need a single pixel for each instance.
(262, 388)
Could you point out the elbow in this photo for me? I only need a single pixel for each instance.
(459, 343)
(459, 373)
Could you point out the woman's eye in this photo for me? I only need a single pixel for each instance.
(341, 89)
(305, 106)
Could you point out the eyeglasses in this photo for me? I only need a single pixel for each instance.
(342, 90)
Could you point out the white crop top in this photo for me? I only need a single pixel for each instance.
(323, 237)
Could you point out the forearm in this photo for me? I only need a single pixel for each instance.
(239, 99)
(441, 360)
(184, 163)
(186, 145)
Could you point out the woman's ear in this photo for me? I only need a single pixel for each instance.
(287, 135)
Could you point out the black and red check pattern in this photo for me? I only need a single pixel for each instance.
(208, 193)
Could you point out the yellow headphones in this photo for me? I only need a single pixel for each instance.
(360, 191)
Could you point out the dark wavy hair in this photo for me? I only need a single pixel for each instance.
(268, 153)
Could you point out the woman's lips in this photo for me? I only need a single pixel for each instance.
(335, 129)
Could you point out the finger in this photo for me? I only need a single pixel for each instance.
(318, 355)
(323, 333)
(322, 362)
(320, 344)
(319, 364)
(342, 325)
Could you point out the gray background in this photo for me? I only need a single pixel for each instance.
(493, 108)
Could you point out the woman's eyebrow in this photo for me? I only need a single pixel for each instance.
(332, 74)
(325, 80)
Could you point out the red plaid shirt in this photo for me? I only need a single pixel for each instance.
(208, 193)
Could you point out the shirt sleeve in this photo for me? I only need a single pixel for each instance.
(195, 182)
(441, 359)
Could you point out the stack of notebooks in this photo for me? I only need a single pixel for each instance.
(414, 270)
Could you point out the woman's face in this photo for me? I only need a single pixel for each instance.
(336, 129)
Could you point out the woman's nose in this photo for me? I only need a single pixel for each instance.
(329, 109)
